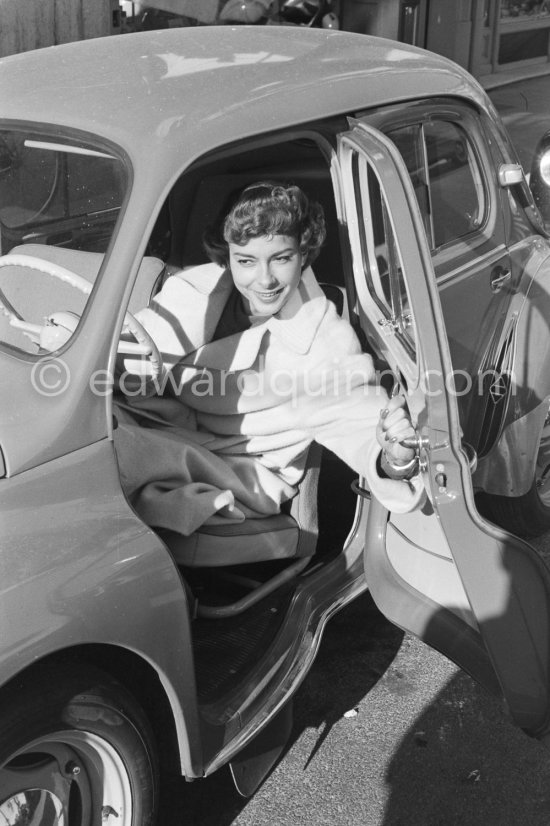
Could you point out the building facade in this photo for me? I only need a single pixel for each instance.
(32, 24)
(490, 38)
(493, 39)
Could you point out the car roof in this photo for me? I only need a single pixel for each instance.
(168, 93)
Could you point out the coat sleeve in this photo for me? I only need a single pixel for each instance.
(164, 320)
(179, 319)
(183, 314)
(341, 411)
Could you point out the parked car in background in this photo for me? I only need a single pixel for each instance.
(123, 651)
(165, 14)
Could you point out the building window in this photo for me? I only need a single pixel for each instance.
(528, 8)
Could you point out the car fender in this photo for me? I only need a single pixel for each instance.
(80, 568)
(508, 468)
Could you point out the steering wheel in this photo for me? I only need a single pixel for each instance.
(59, 327)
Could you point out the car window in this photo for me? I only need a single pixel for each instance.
(59, 202)
(382, 262)
(52, 185)
(446, 177)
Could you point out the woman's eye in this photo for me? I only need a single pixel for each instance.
(283, 259)
(244, 262)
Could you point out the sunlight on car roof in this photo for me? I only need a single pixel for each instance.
(177, 65)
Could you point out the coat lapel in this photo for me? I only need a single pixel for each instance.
(297, 323)
(294, 326)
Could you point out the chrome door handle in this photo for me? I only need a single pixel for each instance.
(499, 277)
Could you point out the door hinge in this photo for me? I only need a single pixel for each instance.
(389, 326)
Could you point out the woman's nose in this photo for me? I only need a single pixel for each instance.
(265, 276)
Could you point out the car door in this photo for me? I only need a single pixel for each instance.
(477, 594)
(452, 169)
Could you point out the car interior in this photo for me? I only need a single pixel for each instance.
(263, 559)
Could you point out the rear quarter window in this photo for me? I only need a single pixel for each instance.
(447, 179)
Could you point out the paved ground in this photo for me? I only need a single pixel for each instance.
(388, 732)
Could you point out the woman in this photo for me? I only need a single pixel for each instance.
(259, 366)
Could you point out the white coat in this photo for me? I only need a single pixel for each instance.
(241, 411)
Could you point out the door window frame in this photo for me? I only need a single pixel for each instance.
(372, 307)
(484, 240)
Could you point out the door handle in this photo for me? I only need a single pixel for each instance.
(416, 442)
(499, 277)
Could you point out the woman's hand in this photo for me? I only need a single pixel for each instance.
(395, 425)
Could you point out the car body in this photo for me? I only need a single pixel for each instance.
(114, 156)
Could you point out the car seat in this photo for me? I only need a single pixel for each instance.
(288, 535)
(291, 535)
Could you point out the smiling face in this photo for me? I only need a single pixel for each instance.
(266, 271)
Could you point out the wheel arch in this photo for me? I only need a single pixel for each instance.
(507, 470)
(138, 677)
(508, 467)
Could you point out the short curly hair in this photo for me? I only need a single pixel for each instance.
(269, 208)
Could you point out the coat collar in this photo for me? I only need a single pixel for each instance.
(297, 323)
(295, 326)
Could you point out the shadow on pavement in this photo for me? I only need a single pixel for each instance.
(463, 763)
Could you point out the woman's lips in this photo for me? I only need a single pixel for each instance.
(273, 295)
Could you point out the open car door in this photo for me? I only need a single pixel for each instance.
(469, 589)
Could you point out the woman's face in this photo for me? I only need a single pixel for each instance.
(266, 271)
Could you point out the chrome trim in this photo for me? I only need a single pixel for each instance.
(466, 269)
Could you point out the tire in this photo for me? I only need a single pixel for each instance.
(75, 749)
(526, 516)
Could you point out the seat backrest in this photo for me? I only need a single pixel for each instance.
(338, 297)
(198, 200)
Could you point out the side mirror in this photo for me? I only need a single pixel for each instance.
(510, 174)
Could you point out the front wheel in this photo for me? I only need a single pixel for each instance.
(527, 516)
(75, 750)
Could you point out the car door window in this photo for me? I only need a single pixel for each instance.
(446, 177)
(447, 156)
(381, 256)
